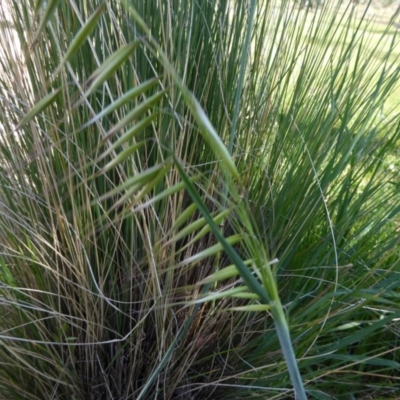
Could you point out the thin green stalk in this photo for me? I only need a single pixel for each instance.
(242, 73)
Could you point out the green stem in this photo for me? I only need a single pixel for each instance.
(243, 64)
(282, 330)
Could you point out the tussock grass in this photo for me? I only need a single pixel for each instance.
(181, 184)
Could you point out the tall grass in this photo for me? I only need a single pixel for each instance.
(145, 148)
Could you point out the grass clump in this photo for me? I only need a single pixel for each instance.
(180, 183)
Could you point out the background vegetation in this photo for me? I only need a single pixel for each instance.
(130, 133)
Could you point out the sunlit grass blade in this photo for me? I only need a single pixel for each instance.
(137, 112)
(200, 223)
(51, 7)
(238, 292)
(81, 36)
(38, 108)
(223, 273)
(212, 137)
(109, 66)
(171, 190)
(210, 251)
(123, 155)
(125, 98)
(251, 308)
(135, 182)
(129, 135)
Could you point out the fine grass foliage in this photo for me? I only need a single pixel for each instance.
(184, 183)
